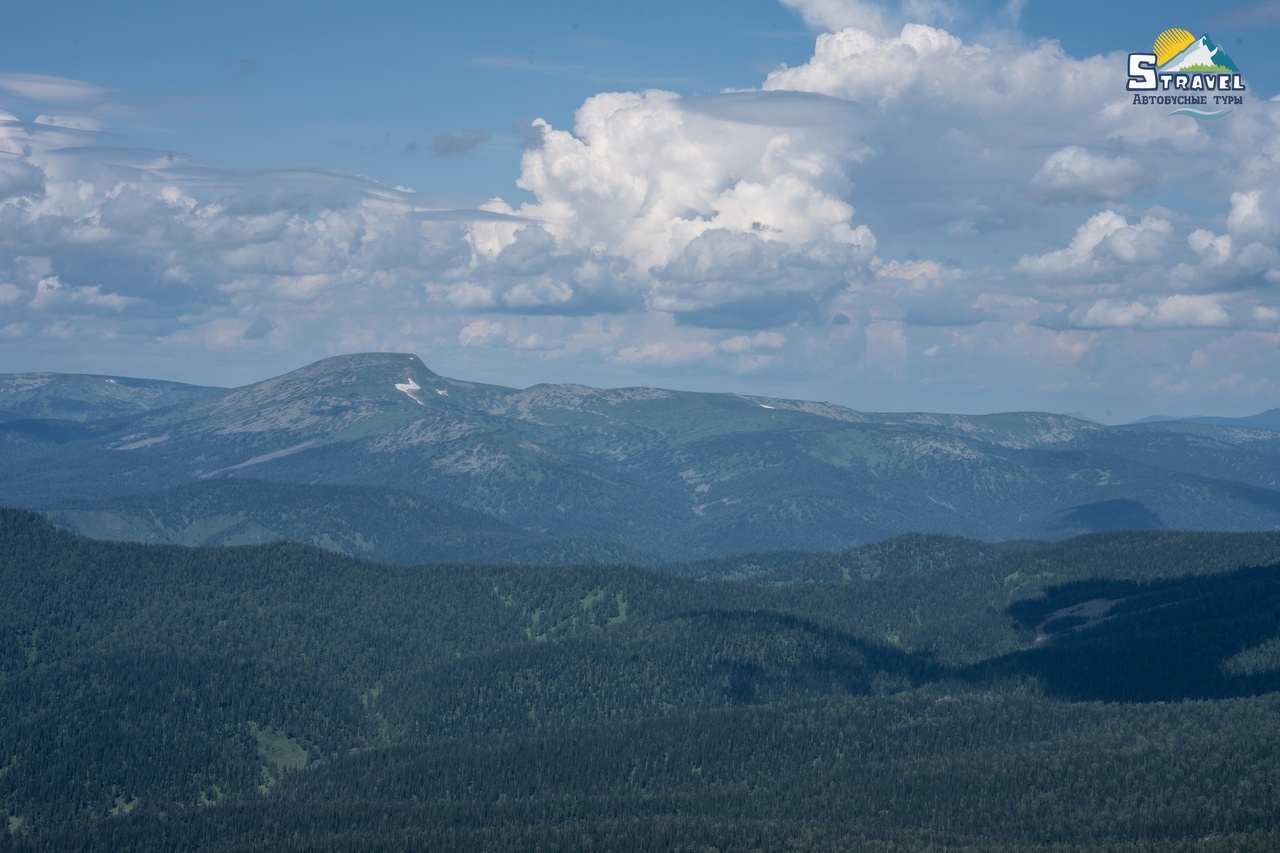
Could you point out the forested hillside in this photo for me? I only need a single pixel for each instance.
(1116, 689)
(392, 525)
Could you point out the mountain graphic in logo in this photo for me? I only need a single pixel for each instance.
(1179, 52)
(1188, 72)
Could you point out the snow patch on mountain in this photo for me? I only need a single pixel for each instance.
(133, 442)
(409, 388)
(822, 410)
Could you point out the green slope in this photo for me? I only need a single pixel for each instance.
(365, 521)
(285, 697)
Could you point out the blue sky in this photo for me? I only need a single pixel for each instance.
(920, 205)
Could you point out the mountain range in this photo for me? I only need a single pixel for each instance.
(378, 456)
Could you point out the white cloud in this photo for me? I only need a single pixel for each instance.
(73, 122)
(1255, 214)
(907, 270)
(870, 15)
(927, 68)
(52, 294)
(1214, 249)
(666, 352)
(831, 15)
(1111, 314)
(718, 203)
(1077, 174)
(538, 293)
(642, 178)
(1180, 311)
(898, 211)
(1184, 311)
(46, 87)
(480, 332)
(469, 295)
(751, 343)
(1105, 240)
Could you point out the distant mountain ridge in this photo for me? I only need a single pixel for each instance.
(1270, 419)
(670, 474)
(75, 397)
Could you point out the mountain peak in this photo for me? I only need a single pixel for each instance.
(362, 361)
(330, 395)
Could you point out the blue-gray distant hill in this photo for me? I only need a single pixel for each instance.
(632, 472)
(1270, 419)
(79, 398)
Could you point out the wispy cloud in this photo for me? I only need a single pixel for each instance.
(1258, 15)
(450, 144)
(46, 87)
(520, 63)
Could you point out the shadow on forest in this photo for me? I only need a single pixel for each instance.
(1098, 640)
(1125, 641)
(764, 655)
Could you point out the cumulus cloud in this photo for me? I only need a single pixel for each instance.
(725, 210)
(1255, 215)
(165, 248)
(902, 207)
(642, 177)
(930, 66)
(1104, 241)
(753, 343)
(20, 179)
(1077, 174)
(1180, 311)
(480, 332)
(960, 143)
(52, 294)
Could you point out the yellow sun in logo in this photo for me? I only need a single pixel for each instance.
(1170, 42)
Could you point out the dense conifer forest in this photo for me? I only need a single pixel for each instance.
(1115, 691)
